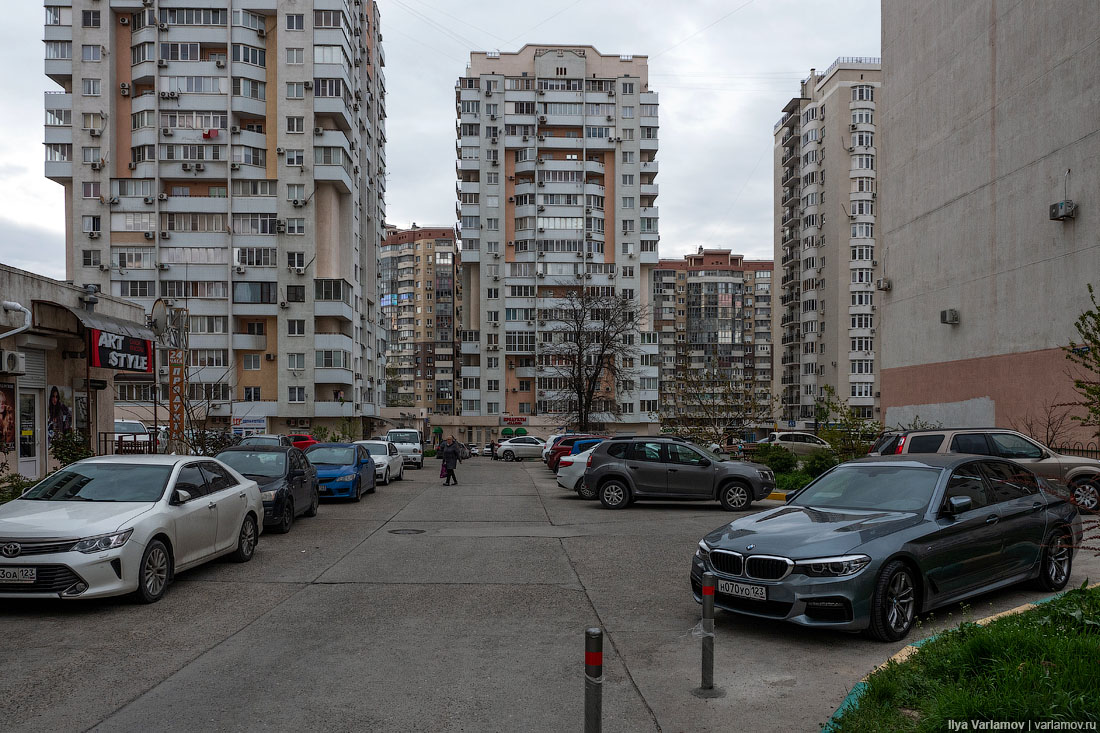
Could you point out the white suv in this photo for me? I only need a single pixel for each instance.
(525, 446)
(801, 444)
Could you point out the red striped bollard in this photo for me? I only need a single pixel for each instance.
(593, 680)
(708, 631)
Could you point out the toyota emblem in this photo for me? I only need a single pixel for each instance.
(749, 547)
(12, 549)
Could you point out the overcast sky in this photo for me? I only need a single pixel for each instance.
(723, 69)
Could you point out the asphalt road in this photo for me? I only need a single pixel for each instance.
(475, 623)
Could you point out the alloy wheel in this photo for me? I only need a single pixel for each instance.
(248, 538)
(614, 494)
(155, 572)
(737, 497)
(1087, 495)
(900, 602)
(1058, 562)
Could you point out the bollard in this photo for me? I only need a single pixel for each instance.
(706, 626)
(593, 680)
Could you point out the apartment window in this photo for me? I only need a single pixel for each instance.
(59, 50)
(863, 230)
(194, 289)
(863, 208)
(254, 188)
(90, 189)
(256, 256)
(181, 52)
(295, 259)
(89, 18)
(296, 157)
(863, 140)
(328, 88)
(863, 117)
(250, 362)
(136, 289)
(863, 93)
(332, 359)
(628, 113)
(255, 292)
(295, 191)
(295, 56)
(295, 361)
(296, 293)
(53, 15)
(90, 87)
(863, 185)
(332, 290)
(91, 223)
(295, 124)
(208, 324)
(628, 179)
(59, 117)
(296, 394)
(91, 52)
(91, 258)
(296, 225)
(295, 22)
(862, 276)
(862, 298)
(248, 54)
(492, 178)
(863, 162)
(862, 321)
(251, 394)
(862, 366)
(327, 18)
(863, 252)
(597, 132)
(142, 52)
(296, 327)
(248, 88)
(628, 156)
(254, 223)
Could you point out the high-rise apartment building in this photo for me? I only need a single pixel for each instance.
(420, 304)
(825, 213)
(557, 187)
(988, 272)
(713, 316)
(231, 160)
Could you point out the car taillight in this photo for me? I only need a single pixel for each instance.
(901, 444)
(565, 462)
(588, 463)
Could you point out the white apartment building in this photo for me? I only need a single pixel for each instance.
(557, 164)
(229, 157)
(825, 324)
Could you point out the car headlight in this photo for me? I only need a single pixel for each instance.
(702, 550)
(268, 495)
(102, 542)
(832, 567)
(346, 477)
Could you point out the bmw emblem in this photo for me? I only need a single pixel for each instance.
(12, 549)
(749, 547)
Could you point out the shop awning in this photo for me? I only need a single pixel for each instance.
(110, 324)
(114, 343)
(438, 430)
(506, 431)
(521, 431)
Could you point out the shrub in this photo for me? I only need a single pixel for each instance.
(69, 447)
(775, 457)
(429, 453)
(12, 484)
(791, 482)
(819, 462)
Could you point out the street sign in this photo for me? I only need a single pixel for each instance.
(177, 360)
(790, 423)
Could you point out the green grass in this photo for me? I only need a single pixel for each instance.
(1043, 664)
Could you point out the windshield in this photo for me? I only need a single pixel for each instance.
(103, 482)
(260, 441)
(871, 487)
(376, 449)
(403, 436)
(255, 463)
(332, 455)
(130, 427)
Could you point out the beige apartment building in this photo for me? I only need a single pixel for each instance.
(992, 121)
(420, 305)
(231, 161)
(557, 170)
(827, 325)
(713, 312)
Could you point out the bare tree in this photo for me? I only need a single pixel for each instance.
(1051, 424)
(592, 352)
(711, 403)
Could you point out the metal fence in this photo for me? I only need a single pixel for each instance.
(112, 444)
(1084, 450)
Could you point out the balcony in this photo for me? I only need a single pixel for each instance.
(333, 409)
(333, 375)
(249, 342)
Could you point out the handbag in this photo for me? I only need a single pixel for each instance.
(443, 471)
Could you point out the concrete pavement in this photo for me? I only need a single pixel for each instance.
(473, 624)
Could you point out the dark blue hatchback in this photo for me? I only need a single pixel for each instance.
(344, 470)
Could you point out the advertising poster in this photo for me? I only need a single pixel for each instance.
(80, 406)
(7, 417)
(60, 415)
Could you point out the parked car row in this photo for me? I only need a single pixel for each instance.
(113, 525)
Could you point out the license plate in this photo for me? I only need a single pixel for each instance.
(743, 590)
(18, 575)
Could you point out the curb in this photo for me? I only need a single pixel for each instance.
(778, 496)
(851, 701)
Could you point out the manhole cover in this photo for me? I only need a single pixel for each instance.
(406, 531)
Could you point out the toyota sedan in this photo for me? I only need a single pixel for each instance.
(112, 525)
(872, 543)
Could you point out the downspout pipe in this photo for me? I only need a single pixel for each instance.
(13, 306)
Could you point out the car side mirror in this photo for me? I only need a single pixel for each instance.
(296, 473)
(957, 505)
(705, 462)
(179, 496)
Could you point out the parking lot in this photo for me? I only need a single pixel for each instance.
(437, 608)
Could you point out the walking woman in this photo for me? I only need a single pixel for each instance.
(451, 456)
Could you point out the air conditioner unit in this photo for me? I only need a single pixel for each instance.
(318, 130)
(279, 151)
(149, 235)
(97, 166)
(93, 235)
(261, 32)
(611, 118)
(94, 132)
(542, 183)
(164, 95)
(540, 274)
(162, 63)
(1063, 210)
(280, 226)
(148, 199)
(219, 63)
(269, 357)
(186, 166)
(235, 129)
(496, 278)
(200, 166)
(949, 316)
(282, 304)
(162, 26)
(235, 166)
(542, 118)
(611, 274)
(307, 84)
(239, 270)
(525, 138)
(131, 165)
(163, 265)
(542, 91)
(852, 126)
(123, 20)
(162, 371)
(493, 141)
(588, 276)
(542, 138)
(872, 332)
(113, 200)
(104, 268)
(299, 271)
(883, 283)
(496, 255)
(611, 92)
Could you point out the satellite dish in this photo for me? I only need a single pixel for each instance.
(158, 319)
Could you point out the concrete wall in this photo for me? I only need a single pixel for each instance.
(987, 106)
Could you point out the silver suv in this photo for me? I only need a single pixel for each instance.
(1081, 475)
(623, 470)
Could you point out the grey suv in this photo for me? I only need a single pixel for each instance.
(622, 470)
(1081, 475)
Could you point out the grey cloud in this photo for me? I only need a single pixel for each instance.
(32, 248)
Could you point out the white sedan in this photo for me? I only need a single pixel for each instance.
(571, 473)
(112, 525)
(389, 464)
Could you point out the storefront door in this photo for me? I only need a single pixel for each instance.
(30, 433)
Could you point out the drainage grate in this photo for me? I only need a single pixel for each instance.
(406, 531)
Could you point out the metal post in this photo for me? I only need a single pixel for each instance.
(593, 680)
(708, 631)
